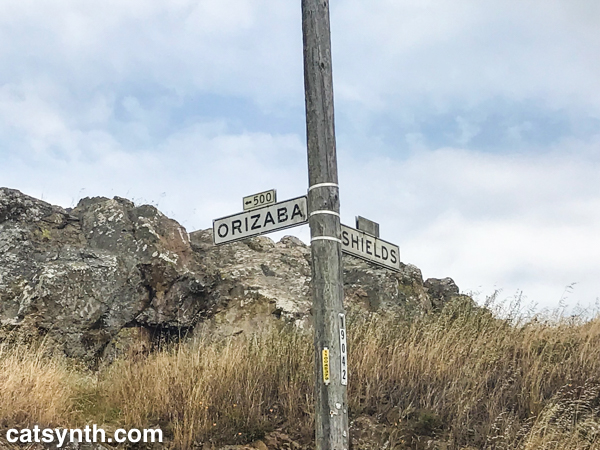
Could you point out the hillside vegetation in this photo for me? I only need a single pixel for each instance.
(459, 379)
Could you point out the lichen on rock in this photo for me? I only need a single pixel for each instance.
(82, 276)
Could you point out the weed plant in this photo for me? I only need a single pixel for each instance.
(457, 379)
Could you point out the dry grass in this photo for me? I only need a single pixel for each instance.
(461, 377)
(476, 380)
(37, 387)
(225, 391)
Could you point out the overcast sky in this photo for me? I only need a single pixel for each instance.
(469, 130)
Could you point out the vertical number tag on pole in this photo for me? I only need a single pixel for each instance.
(343, 351)
(326, 375)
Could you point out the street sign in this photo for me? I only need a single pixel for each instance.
(279, 216)
(259, 200)
(343, 351)
(358, 243)
(368, 226)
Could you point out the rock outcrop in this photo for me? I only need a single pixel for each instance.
(84, 277)
(440, 291)
(81, 276)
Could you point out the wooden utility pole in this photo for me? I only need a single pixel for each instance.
(331, 420)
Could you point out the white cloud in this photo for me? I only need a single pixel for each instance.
(466, 51)
(515, 222)
(234, 47)
(195, 175)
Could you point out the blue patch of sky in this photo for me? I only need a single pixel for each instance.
(15, 147)
(166, 112)
(242, 114)
(492, 126)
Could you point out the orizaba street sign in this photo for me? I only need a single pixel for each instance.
(363, 245)
(279, 216)
(294, 212)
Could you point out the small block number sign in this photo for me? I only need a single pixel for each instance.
(260, 199)
(326, 375)
(343, 351)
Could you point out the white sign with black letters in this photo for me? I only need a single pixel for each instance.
(365, 246)
(343, 351)
(279, 216)
(259, 200)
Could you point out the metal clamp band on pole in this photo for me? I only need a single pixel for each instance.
(323, 211)
(325, 238)
(318, 185)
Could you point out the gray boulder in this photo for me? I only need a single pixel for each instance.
(108, 276)
(79, 277)
(261, 282)
(440, 291)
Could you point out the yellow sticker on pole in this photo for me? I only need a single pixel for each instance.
(326, 377)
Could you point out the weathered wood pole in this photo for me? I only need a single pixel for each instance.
(331, 420)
